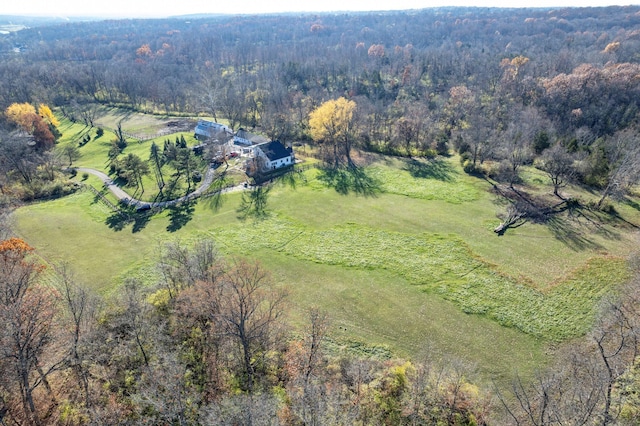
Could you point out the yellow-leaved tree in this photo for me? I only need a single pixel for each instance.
(332, 126)
(21, 114)
(45, 112)
(38, 125)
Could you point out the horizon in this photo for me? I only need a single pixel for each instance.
(126, 9)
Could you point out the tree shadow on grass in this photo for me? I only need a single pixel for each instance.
(100, 195)
(180, 214)
(214, 199)
(575, 222)
(430, 169)
(567, 232)
(118, 220)
(631, 203)
(254, 203)
(350, 179)
(140, 221)
(570, 222)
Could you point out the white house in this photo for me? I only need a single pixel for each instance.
(273, 155)
(208, 129)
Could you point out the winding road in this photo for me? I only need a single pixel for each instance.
(123, 197)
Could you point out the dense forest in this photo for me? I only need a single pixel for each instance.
(423, 81)
(503, 89)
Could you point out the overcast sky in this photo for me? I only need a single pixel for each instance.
(162, 8)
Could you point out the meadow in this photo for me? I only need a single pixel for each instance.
(409, 266)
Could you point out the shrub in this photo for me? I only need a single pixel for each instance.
(99, 132)
(464, 157)
(85, 176)
(469, 167)
(430, 153)
(442, 146)
(40, 190)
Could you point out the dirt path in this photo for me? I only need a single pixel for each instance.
(123, 197)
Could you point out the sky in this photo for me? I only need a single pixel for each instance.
(164, 8)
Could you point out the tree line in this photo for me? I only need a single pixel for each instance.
(499, 86)
(211, 343)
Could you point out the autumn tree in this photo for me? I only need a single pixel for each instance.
(36, 124)
(250, 315)
(21, 114)
(332, 125)
(45, 112)
(24, 116)
(28, 350)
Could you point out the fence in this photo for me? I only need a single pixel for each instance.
(102, 198)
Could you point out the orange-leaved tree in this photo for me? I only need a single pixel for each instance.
(27, 314)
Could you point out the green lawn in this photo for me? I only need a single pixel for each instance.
(367, 305)
(408, 261)
(395, 270)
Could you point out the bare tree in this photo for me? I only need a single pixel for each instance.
(181, 266)
(560, 165)
(81, 315)
(623, 155)
(307, 388)
(250, 315)
(28, 350)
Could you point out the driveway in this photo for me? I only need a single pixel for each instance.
(122, 196)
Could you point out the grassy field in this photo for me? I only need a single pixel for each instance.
(403, 258)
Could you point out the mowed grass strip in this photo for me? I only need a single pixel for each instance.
(444, 264)
(377, 309)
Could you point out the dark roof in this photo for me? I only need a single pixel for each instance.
(275, 150)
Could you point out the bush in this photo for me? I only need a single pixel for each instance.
(464, 157)
(469, 167)
(472, 169)
(56, 189)
(442, 146)
(85, 176)
(430, 153)
(99, 132)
